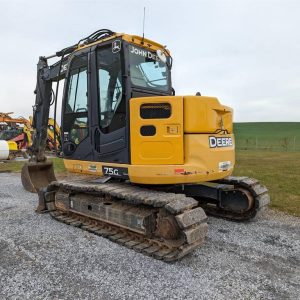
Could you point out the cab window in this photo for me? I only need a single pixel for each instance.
(112, 106)
(76, 108)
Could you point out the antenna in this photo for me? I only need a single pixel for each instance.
(144, 24)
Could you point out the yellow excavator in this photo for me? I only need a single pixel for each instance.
(147, 164)
(53, 135)
(16, 139)
(15, 136)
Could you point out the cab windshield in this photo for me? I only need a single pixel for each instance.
(147, 70)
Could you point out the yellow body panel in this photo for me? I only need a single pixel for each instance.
(166, 146)
(202, 164)
(193, 144)
(206, 114)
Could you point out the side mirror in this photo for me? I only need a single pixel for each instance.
(164, 58)
(169, 62)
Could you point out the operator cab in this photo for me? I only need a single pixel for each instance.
(100, 81)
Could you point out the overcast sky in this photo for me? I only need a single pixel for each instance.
(246, 53)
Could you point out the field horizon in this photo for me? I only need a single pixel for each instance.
(271, 136)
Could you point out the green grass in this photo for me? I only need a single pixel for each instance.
(59, 166)
(279, 171)
(272, 136)
(11, 166)
(16, 166)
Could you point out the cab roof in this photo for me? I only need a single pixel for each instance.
(138, 40)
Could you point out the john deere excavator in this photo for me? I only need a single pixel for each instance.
(149, 163)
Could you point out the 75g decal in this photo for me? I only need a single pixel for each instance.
(110, 171)
(115, 172)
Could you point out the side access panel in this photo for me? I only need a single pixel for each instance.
(156, 130)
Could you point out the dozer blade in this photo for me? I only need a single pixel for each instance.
(35, 176)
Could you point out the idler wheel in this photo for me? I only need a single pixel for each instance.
(167, 227)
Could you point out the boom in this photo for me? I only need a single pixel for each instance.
(46, 75)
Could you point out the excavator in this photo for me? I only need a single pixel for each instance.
(53, 135)
(15, 139)
(146, 166)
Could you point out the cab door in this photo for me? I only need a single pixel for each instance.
(75, 113)
(111, 134)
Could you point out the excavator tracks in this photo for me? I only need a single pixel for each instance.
(181, 225)
(257, 193)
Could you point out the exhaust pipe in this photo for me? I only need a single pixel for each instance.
(37, 175)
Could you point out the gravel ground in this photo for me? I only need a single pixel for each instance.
(41, 258)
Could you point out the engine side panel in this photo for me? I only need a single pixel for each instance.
(206, 115)
(156, 130)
